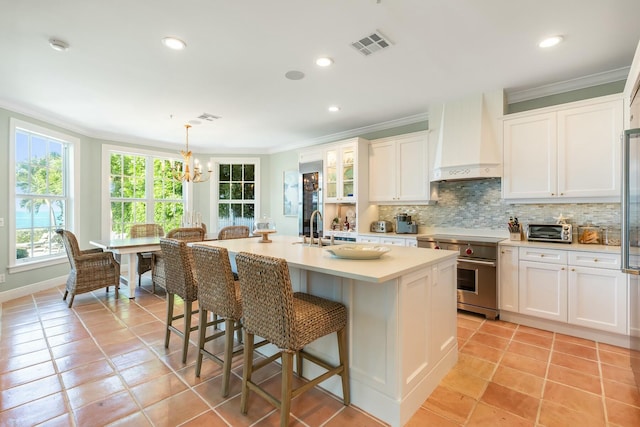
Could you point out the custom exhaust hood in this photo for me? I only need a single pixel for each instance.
(467, 129)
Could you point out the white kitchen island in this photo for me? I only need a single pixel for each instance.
(402, 319)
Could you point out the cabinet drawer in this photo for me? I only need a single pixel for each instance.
(595, 259)
(551, 256)
(397, 241)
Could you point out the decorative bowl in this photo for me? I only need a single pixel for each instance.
(358, 251)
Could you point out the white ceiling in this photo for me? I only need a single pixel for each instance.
(117, 81)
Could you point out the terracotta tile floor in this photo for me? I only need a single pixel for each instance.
(104, 363)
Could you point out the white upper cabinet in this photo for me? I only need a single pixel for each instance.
(564, 154)
(341, 173)
(399, 169)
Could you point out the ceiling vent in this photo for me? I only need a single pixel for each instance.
(208, 117)
(371, 43)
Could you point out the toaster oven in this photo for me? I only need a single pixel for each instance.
(381, 227)
(559, 233)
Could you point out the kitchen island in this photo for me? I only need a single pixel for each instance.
(402, 318)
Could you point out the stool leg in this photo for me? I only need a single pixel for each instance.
(287, 379)
(247, 371)
(202, 329)
(169, 319)
(299, 364)
(187, 329)
(228, 355)
(343, 352)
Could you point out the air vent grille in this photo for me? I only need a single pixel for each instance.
(208, 117)
(372, 43)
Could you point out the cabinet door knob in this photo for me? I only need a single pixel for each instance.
(573, 269)
(595, 260)
(562, 269)
(541, 255)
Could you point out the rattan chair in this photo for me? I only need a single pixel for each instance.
(181, 281)
(289, 321)
(233, 232)
(219, 294)
(91, 269)
(145, 259)
(187, 234)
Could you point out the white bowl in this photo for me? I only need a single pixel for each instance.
(358, 251)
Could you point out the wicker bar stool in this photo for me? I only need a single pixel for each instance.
(188, 234)
(218, 293)
(289, 321)
(233, 232)
(181, 281)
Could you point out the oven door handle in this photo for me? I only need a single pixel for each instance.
(475, 261)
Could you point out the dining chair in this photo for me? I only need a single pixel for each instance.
(187, 234)
(233, 232)
(289, 321)
(180, 281)
(145, 259)
(91, 269)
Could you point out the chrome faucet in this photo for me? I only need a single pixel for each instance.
(313, 214)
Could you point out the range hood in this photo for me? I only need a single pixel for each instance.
(468, 146)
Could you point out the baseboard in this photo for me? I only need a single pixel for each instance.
(33, 288)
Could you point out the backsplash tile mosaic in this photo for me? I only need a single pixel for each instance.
(477, 204)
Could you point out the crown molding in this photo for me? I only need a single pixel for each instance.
(409, 120)
(618, 74)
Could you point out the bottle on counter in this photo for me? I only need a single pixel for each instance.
(346, 224)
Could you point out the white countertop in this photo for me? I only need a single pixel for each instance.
(563, 246)
(395, 263)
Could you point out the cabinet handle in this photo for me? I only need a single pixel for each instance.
(541, 255)
(562, 269)
(553, 194)
(573, 269)
(562, 194)
(595, 260)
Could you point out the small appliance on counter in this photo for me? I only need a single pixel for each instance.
(404, 225)
(558, 233)
(381, 227)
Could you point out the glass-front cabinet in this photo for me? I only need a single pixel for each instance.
(340, 173)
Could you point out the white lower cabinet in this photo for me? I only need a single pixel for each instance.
(634, 305)
(508, 278)
(597, 298)
(388, 240)
(576, 287)
(543, 290)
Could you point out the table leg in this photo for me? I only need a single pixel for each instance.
(131, 275)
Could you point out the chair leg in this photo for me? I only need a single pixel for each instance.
(169, 319)
(187, 329)
(202, 330)
(239, 333)
(228, 355)
(247, 371)
(66, 292)
(343, 352)
(298, 364)
(71, 300)
(287, 380)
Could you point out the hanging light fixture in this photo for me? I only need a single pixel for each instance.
(183, 174)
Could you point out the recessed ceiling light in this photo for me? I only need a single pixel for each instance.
(334, 108)
(58, 45)
(324, 62)
(173, 43)
(550, 41)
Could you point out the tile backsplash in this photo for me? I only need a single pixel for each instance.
(478, 204)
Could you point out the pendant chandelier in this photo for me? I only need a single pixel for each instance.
(184, 174)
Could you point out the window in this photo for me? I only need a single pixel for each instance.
(42, 187)
(141, 190)
(236, 192)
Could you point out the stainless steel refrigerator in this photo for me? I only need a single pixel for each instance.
(631, 236)
(310, 198)
(631, 202)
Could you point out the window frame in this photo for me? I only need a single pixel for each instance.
(216, 161)
(72, 173)
(107, 150)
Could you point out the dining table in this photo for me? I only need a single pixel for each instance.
(127, 248)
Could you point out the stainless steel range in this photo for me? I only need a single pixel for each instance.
(477, 278)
